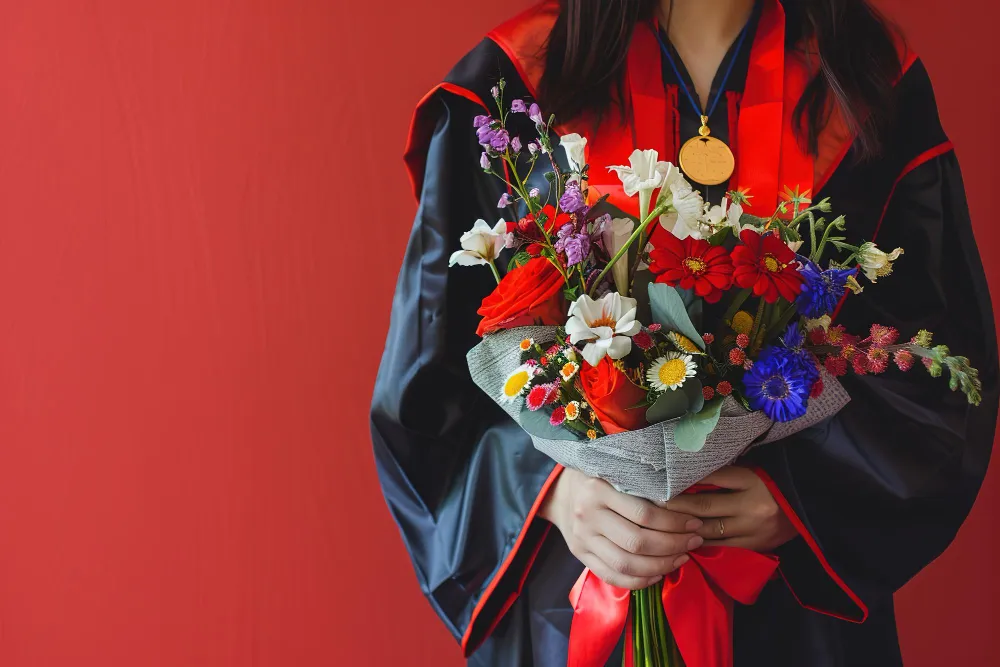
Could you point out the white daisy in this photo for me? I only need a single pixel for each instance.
(517, 382)
(671, 371)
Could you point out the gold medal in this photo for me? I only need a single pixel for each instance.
(705, 159)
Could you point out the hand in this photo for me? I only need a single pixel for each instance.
(626, 541)
(745, 516)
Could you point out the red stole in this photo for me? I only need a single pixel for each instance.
(771, 158)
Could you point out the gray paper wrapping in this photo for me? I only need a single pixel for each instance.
(645, 463)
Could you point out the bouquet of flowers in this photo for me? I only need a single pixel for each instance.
(652, 351)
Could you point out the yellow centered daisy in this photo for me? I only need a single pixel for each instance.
(742, 322)
(671, 371)
(592, 434)
(683, 343)
(695, 265)
(568, 370)
(527, 344)
(572, 411)
(516, 382)
(770, 263)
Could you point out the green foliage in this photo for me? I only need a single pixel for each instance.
(518, 260)
(670, 312)
(693, 428)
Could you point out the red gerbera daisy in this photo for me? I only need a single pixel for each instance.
(692, 264)
(766, 264)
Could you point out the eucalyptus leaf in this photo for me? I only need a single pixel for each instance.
(696, 397)
(537, 424)
(670, 405)
(693, 429)
(670, 312)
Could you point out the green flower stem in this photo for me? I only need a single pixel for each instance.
(817, 253)
(758, 321)
(735, 306)
(656, 213)
(496, 274)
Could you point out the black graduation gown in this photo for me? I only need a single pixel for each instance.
(877, 492)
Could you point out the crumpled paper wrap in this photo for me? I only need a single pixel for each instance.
(645, 463)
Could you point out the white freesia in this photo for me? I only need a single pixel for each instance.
(726, 214)
(575, 147)
(875, 262)
(481, 244)
(606, 325)
(614, 237)
(684, 218)
(645, 173)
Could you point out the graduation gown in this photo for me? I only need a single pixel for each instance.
(876, 493)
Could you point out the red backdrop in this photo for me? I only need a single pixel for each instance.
(202, 211)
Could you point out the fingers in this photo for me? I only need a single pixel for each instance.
(732, 477)
(743, 542)
(621, 568)
(646, 514)
(707, 505)
(643, 541)
(730, 527)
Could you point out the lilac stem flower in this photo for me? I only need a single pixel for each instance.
(515, 144)
(505, 201)
(484, 161)
(500, 140)
(518, 106)
(535, 114)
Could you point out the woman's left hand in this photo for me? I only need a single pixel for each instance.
(745, 515)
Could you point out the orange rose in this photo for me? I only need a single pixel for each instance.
(612, 396)
(529, 294)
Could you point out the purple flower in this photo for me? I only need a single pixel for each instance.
(533, 148)
(484, 161)
(505, 201)
(533, 192)
(495, 91)
(572, 200)
(500, 140)
(485, 135)
(479, 121)
(515, 144)
(517, 106)
(535, 114)
(576, 246)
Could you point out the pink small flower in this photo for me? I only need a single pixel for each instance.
(904, 359)
(542, 395)
(883, 336)
(558, 417)
(708, 338)
(553, 350)
(817, 336)
(737, 356)
(708, 393)
(654, 327)
(878, 360)
(860, 364)
(927, 362)
(643, 341)
(836, 366)
(724, 388)
(817, 389)
(836, 335)
(848, 351)
(743, 340)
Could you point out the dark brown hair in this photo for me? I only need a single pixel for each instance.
(858, 63)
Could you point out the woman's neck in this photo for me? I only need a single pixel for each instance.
(702, 32)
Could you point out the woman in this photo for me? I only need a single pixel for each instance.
(853, 509)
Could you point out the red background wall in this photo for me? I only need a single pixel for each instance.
(202, 211)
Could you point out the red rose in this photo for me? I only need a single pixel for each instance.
(613, 397)
(766, 264)
(527, 227)
(692, 264)
(529, 294)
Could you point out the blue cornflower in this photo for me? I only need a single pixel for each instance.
(779, 383)
(821, 290)
(794, 337)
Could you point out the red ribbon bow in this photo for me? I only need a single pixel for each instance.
(697, 598)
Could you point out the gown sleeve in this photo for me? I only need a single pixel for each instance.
(879, 491)
(462, 480)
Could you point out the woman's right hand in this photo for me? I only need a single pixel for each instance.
(626, 541)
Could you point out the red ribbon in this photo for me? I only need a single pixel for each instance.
(697, 598)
